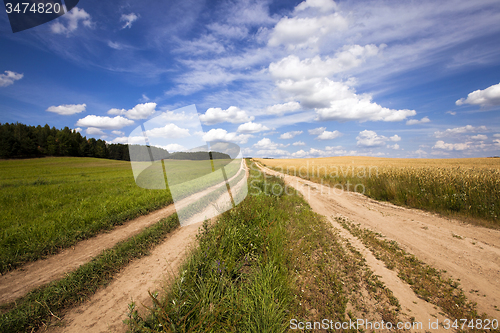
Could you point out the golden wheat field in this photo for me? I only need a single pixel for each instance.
(468, 187)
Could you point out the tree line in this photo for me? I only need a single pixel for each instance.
(23, 141)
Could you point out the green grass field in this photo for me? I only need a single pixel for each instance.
(50, 203)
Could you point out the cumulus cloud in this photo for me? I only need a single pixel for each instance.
(169, 131)
(94, 131)
(479, 137)
(266, 143)
(416, 121)
(78, 129)
(140, 111)
(460, 130)
(487, 97)
(232, 115)
(322, 5)
(128, 19)
(67, 109)
(219, 134)
(104, 122)
(299, 143)
(370, 139)
(327, 135)
(496, 135)
(290, 135)
(173, 147)
(304, 32)
(129, 140)
(251, 128)
(72, 19)
(272, 153)
(118, 133)
(337, 101)
(280, 109)
(395, 138)
(450, 146)
(351, 56)
(317, 131)
(9, 77)
(394, 146)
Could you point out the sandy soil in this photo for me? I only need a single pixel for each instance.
(18, 282)
(106, 310)
(474, 259)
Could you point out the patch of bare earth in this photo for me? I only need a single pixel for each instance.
(107, 309)
(469, 254)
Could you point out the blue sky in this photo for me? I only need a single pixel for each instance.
(280, 78)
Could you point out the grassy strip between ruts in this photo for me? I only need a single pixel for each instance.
(265, 266)
(427, 282)
(40, 305)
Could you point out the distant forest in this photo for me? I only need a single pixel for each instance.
(23, 141)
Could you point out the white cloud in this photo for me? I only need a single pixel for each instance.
(280, 109)
(9, 77)
(78, 129)
(72, 19)
(232, 115)
(299, 143)
(290, 135)
(395, 138)
(115, 45)
(322, 5)
(273, 153)
(67, 109)
(479, 137)
(219, 134)
(420, 152)
(140, 111)
(416, 121)
(394, 146)
(267, 144)
(496, 142)
(370, 139)
(453, 113)
(496, 135)
(337, 101)
(94, 131)
(129, 19)
(450, 146)
(228, 31)
(170, 131)
(327, 135)
(351, 56)
(251, 128)
(173, 147)
(104, 122)
(317, 131)
(118, 133)
(460, 130)
(129, 140)
(487, 97)
(304, 32)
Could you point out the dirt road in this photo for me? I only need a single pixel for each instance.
(18, 282)
(473, 258)
(106, 310)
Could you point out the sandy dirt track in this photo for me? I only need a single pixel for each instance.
(474, 260)
(18, 282)
(106, 310)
